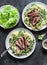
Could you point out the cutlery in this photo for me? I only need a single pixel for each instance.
(4, 52)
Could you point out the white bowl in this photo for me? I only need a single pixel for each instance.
(44, 6)
(10, 51)
(1, 9)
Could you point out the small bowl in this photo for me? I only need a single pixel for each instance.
(44, 44)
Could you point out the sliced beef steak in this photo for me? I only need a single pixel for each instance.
(17, 50)
(17, 44)
(33, 17)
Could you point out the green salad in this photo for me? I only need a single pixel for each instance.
(21, 42)
(35, 17)
(8, 17)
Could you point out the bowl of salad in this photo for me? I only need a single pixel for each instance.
(21, 43)
(34, 16)
(9, 16)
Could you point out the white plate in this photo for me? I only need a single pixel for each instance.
(1, 9)
(44, 6)
(10, 51)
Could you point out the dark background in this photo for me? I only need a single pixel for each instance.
(39, 57)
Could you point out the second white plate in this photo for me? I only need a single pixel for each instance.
(10, 51)
(44, 6)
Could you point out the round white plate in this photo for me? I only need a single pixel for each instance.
(44, 6)
(1, 9)
(10, 51)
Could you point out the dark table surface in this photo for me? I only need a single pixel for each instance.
(39, 57)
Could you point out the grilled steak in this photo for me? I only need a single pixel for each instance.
(33, 17)
(22, 43)
(17, 50)
(17, 44)
(33, 14)
(27, 43)
(35, 20)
